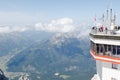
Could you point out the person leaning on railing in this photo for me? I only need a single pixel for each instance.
(94, 29)
(106, 30)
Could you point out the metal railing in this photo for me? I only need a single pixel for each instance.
(108, 53)
(98, 31)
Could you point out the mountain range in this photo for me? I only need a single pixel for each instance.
(47, 56)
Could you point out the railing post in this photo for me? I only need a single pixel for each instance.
(103, 46)
(111, 50)
(95, 48)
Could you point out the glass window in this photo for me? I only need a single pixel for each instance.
(100, 48)
(97, 48)
(118, 50)
(109, 48)
(92, 44)
(115, 66)
(105, 48)
(113, 79)
(114, 50)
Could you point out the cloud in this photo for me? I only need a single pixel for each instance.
(62, 25)
(8, 29)
(65, 25)
(58, 25)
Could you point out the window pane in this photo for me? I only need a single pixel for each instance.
(115, 66)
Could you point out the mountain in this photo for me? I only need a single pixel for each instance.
(2, 76)
(62, 57)
(10, 42)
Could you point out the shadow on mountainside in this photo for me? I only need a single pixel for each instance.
(2, 76)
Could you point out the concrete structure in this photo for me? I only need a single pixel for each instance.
(105, 49)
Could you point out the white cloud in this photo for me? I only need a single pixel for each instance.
(83, 29)
(59, 25)
(63, 25)
(4, 29)
(7, 29)
(63, 21)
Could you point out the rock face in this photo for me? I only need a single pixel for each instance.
(24, 77)
(2, 76)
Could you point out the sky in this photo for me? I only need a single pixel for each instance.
(34, 12)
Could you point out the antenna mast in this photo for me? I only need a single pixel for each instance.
(110, 16)
(114, 18)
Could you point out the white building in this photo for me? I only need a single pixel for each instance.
(105, 49)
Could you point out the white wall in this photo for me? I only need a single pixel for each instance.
(104, 70)
(99, 69)
(108, 72)
(105, 41)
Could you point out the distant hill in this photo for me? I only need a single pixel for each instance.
(63, 57)
(12, 41)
